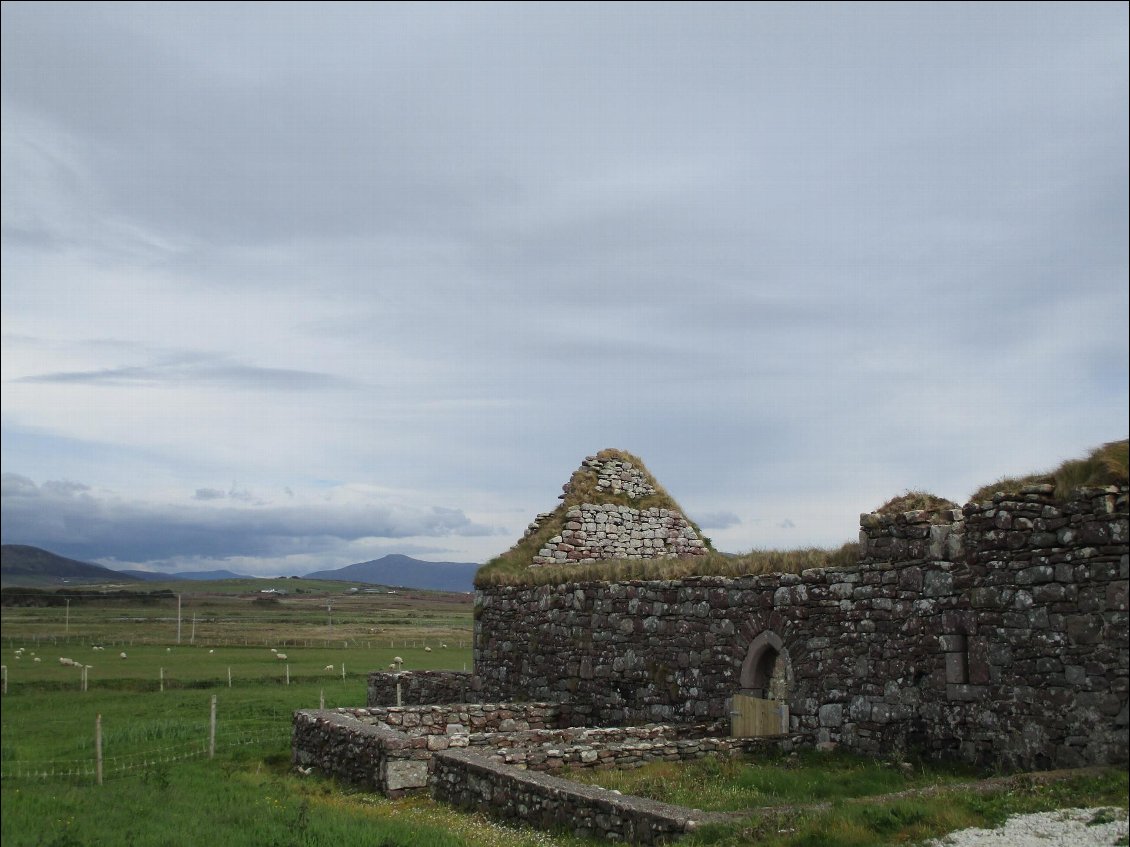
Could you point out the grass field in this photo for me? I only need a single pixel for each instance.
(162, 789)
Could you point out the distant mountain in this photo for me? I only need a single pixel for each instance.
(20, 563)
(406, 572)
(154, 576)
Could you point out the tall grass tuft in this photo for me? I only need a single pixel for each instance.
(1108, 464)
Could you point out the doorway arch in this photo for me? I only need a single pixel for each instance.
(766, 671)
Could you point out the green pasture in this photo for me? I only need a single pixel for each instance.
(161, 788)
(147, 667)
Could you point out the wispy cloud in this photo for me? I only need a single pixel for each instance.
(198, 370)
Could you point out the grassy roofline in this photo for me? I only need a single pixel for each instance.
(513, 566)
(1108, 464)
(712, 564)
(1105, 465)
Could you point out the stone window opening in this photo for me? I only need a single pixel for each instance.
(957, 659)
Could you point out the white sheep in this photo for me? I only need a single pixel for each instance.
(328, 668)
(427, 649)
(280, 655)
(67, 663)
(122, 655)
(210, 652)
(37, 659)
(273, 650)
(443, 645)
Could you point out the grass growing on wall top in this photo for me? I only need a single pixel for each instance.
(511, 566)
(1105, 465)
(915, 500)
(712, 564)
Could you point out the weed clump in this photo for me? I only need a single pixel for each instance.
(1105, 465)
(911, 501)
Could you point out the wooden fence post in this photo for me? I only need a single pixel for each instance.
(322, 699)
(229, 677)
(288, 673)
(98, 749)
(212, 729)
(162, 673)
(3, 679)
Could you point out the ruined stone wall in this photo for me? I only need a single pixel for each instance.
(594, 531)
(603, 529)
(996, 633)
(468, 780)
(390, 749)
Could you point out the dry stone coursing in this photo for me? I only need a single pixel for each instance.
(390, 749)
(594, 532)
(468, 780)
(995, 633)
(418, 687)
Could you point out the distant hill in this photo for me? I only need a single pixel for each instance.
(406, 572)
(24, 565)
(156, 576)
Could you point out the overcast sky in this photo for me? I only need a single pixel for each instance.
(291, 286)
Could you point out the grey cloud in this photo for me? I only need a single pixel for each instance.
(718, 520)
(209, 494)
(99, 527)
(15, 485)
(787, 524)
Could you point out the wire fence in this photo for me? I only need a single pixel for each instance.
(225, 736)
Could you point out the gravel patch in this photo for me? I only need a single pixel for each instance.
(1099, 827)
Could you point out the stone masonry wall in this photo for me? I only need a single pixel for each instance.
(995, 633)
(418, 687)
(390, 749)
(606, 531)
(470, 781)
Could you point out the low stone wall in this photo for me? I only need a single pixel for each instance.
(469, 780)
(448, 718)
(419, 687)
(389, 749)
(606, 748)
(362, 753)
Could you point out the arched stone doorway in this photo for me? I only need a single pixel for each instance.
(760, 707)
(766, 671)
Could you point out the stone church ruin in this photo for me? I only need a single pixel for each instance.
(995, 633)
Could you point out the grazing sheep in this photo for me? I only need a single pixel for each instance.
(280, 655)
(122, 655)
(328, 668)
(443, 645)
(37, 659)
(273, 650)
(210, 652)
(427, 649)
(392, 666)
(68, 663)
